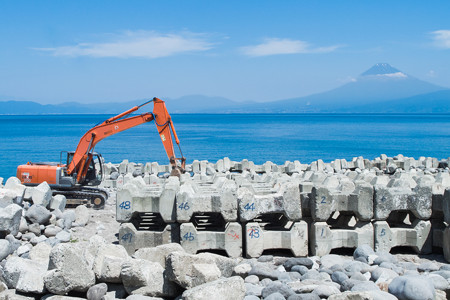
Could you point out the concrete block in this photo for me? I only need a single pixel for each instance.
(258, 239)
(446, 243)
(192, 199)
(417, 201)
(136, 197)
(123, 166)
(417, 236)
(286, 200)
(132, 239)
(230, 240)
(323, 238)
(324, 202)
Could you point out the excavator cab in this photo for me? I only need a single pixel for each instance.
(94, 174)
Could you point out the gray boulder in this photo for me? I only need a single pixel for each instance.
(180, 269)
(279, 287)
(68, 270)
(228, 288)
(41, 253)
(108, 263)
(69, 217)
(5, 249)
(81, 216)
(42, 194)
(147, 278)
(25, 275)
(158, 254)
(38, 214)
(363, 251)
(63, 236)
(97, 291)
(10, 219)
(302, 261)
(412, 287)
(58, 202)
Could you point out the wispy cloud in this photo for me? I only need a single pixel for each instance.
(441, 38)
(275, 46)
(143, 44)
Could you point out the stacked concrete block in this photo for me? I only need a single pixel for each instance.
(133, 239)
(398, 199)
(258, 239)
(208, 213)
(194, 240)
(150, 211)
(323, 238)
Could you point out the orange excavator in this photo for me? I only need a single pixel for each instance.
(78, 177)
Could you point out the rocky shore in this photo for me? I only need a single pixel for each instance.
(49, 251)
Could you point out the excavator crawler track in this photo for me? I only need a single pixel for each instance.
(95, 198)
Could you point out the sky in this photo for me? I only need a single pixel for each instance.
(101, 51)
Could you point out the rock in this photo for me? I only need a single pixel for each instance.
(365, 286)
(384, 257)
(263, 271)
(24, 249)
(38, 214)
(42, 194)
(108, 263)
(81, 215)
(41, 253)
(51, 230)
(10, 219)
(25, 275)
(265, 258)
(63, 236)
(352, 296)
(253, 279)
(302, 261)
(279, 287)
(439, 282)
(97, 291)
(275, 296)
(412, 287)
(251, 297)
(325, 291)
(180, 268)
(5, 249)
(158, 254)
(383, 275)
(226, 265)
(39, 239)
(204, 273)
(428, 267)
(58, 202)
(327, 261)
(35, 228)
(339, 277)
(69, 217)
(228, 288)
(253, 289)
(300, 269)
(11, 295)
(114, 175)
(23, 226)
(363, 251)
(310, 296)
(242, 270)
(68, 270)
(141, 297)
(147, 278)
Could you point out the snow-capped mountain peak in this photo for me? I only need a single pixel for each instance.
(384, 70)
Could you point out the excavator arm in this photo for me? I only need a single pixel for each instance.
(81, 158)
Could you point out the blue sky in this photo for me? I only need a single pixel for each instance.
(95, 51)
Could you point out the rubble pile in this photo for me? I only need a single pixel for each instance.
(173, 229)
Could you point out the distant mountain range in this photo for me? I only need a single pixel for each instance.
(381, 89)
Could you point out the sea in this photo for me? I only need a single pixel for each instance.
(256, 137)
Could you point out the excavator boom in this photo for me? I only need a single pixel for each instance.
(119, 123)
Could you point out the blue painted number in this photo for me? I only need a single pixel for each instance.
(189, 237)
(184, 206)
(249, 206)
(253, 233)
(127, 237)
(125, 205)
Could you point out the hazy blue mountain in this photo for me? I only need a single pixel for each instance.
(380, 83)
(382, 88)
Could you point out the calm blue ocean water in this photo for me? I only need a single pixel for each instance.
(256, 137)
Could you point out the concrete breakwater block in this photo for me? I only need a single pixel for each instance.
(136, 196)
(323, 238)
(258, 239)
(228, 240)
(220, 198)
(132, 239)
(325, 201)
(417, 235)
(285, 200)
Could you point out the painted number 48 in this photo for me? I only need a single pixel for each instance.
(125, 205)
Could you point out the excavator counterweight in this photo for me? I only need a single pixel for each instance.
(78, 176)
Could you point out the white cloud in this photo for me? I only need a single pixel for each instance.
(143, 44)
(441, 38)
(394, 75)
(274, 46)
